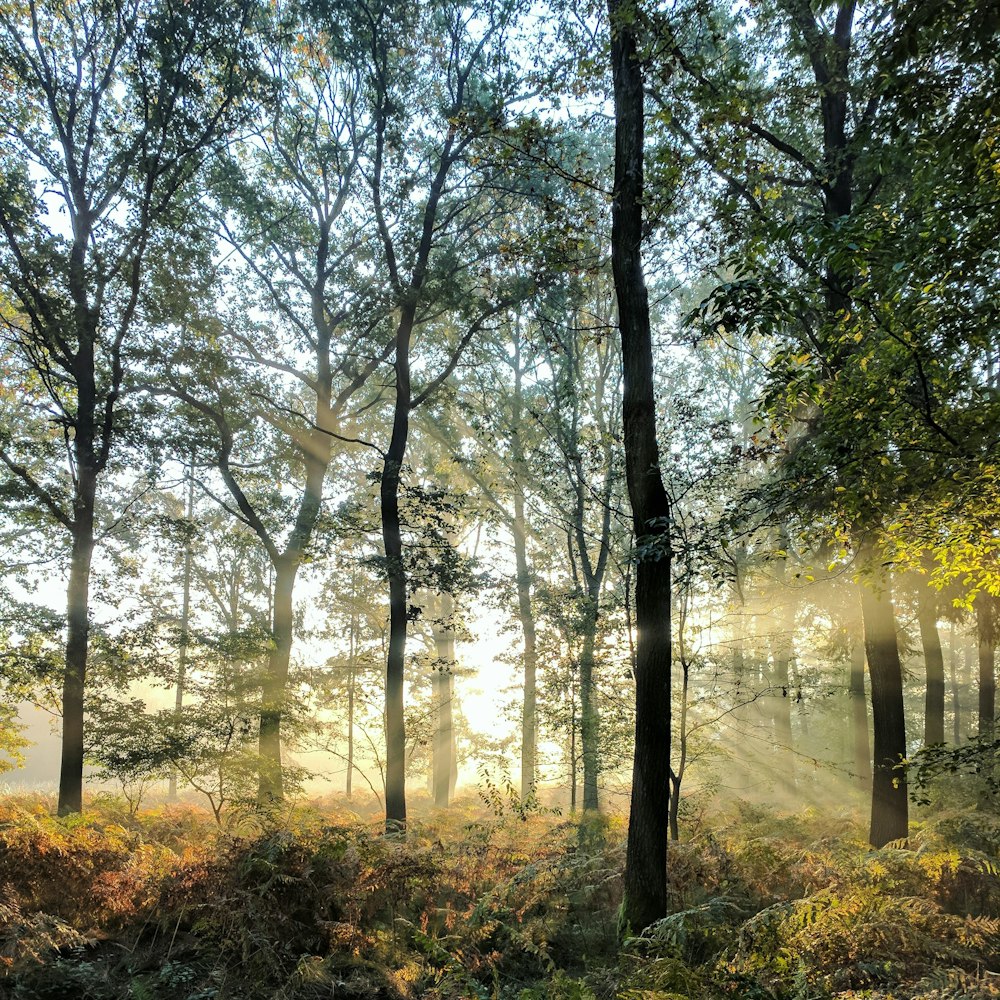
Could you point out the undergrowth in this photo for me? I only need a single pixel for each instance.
(316, 903)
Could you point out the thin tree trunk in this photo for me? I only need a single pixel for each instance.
(352, 668)
(889, 801)
(392, 541)
(645, 883)
(74, 678)
(589, 723)
(969, 663)
(182, 651)
(782, 651)
(572, 757)
(986, 640)
(442, 748)
(859, 714)
(272, 782)
(781, 656)
(934, 667)
(529, 736)
(956, 698)
(739, 766)
(452, 742)
(349, 784)
(677, 775)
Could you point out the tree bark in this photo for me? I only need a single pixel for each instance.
(589, 722)
(889, 815)
(956, 697)
(781, 655)
(934, 667)
(272, 783)
(859, 713)
(782, 651)
(74, 677)
(81, 558)
(392, 541)
(969, 662)
(529, 737)
(529, 724)
(352, 672)
(645, 889)
(443, 746)
(182, 651)
(986, 641)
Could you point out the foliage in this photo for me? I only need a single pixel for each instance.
(158, 904)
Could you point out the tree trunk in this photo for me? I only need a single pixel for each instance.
(352, 673)
(985, 634)
(77, 642)
(589, 721)
(956, 697)
(740, 777)
(452, 743)
(182, 651)
(572, 756)
(645, 889)
(859, 714)
(934, 667)
(782, 707)
(349, 784)
(392, 541)
(889, 802)
(272, 785)
(443, 746)
(782, 651)
(529, 736)
(969, 662)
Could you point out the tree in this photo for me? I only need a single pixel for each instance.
(584, 432)
(645, 898)
(429, 243)
(108, 109)
(286, 208)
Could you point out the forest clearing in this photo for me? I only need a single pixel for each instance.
(499, 499)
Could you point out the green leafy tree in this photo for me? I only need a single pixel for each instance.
(107, 111)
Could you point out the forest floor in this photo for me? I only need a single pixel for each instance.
(164, 906)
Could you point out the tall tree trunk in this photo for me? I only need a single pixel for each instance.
(859, 713)
(782, 651)
(645, 889)
(677, 774)
(739, 769)
(889, 802)
(969, 663)
(392, 541)
(934, 667)
(271, 788)
(986, 640)
(182, 651)
(781, 655)
(443, 745)
(572, 755)
(285, 567)
(452, 742)
(589, 721)
(81, 527)
(529, 737)
(956, 697)
(349, 783)
(352, 673)
(77, 642)
(519, 529)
